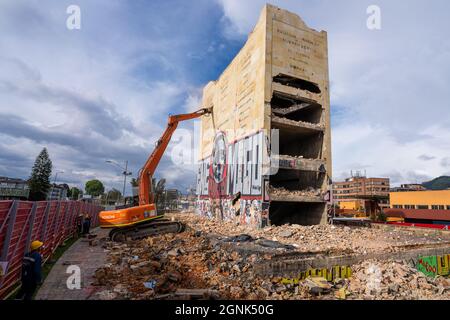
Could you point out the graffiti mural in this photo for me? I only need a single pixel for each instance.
(251, 213)
(244, 211)
(203, 208)
(434, 265)
(337, 272)
(230, 182)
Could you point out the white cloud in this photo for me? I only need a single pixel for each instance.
(100, 92)
(389, 88)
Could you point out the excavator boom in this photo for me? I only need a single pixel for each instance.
(145, 194)
(143, 220)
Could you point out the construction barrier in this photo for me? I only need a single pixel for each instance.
(21, 222)
(417, 225)
(421, 225)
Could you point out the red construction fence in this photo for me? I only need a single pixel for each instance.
(22, 222)
(420, 225)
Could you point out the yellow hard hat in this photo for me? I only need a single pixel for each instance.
(36, 245)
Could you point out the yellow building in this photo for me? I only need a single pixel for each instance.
(422, 200)
(350, 205)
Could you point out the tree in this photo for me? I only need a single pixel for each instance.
(39, 181)
(114, 194)
(94, 188)
(158, 193)
(75, 193)
(134, 183)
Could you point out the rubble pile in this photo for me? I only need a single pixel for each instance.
(309, 192)
(170, 266)
(318, 238)
(393, 280)
(209, 261)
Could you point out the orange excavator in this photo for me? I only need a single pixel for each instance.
(144, 220)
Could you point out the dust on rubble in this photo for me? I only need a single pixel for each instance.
(195, 265)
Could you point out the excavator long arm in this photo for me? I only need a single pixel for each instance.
(144, 220)
(147, 171)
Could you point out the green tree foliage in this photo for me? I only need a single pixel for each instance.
(381, 217)
(75, 193)
(94, 188)
(134, 182)
(158, 188)
(39, 181)
(114, 194)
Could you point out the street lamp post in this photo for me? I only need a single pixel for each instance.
(125, 174)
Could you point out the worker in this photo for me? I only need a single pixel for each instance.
(31, 271)
(86, 224)
(79, 222)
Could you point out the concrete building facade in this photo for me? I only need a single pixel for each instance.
(360, 196)
(266, 149)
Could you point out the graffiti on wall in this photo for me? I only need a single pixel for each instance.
(247, 212)
(337, 272)
(234, 169)
(434, 265)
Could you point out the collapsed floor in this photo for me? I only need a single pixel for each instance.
(219, 260)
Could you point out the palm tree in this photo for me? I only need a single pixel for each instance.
(158, 189)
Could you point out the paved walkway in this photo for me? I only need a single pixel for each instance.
(81, 254)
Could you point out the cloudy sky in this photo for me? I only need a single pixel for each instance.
(104, 91)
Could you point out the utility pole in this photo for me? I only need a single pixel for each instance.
(125, 174)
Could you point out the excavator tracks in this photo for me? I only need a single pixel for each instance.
(140, 231)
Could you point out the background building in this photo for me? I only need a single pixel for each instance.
(421, 206)
(11, 188)
(362, 196)
(58, 192)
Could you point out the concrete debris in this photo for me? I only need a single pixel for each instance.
(239, 238)
(317, 285)
(273, 244)
(106, 295)
(316, 238)
(395, 280)
(297, 123)
(197, 293)
(285, 233)
(309, 192)
(216, 260)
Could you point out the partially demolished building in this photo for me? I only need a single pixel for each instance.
(266, 150)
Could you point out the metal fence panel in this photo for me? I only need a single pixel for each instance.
(21, 222)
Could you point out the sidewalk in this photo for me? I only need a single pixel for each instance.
(88, 258)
